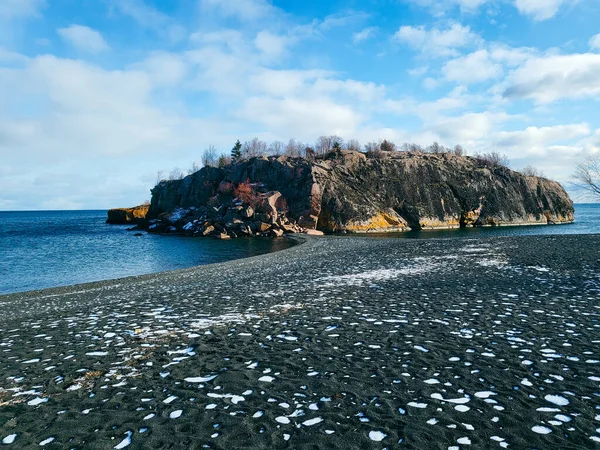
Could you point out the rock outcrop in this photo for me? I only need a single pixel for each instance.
(348, 192)
(123, 216)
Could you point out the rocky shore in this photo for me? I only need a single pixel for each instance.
(338, 343)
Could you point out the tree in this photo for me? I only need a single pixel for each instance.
(325, 144)
(531, 171)
(387, 146)
(435, 148)
(209, 156)
(493, 159)
(459, 150)
(176, 174)
(223, 161)
(411, 147)
(372, 147)
(353, 144)
(310, 154)
(587, 176)
(236, 151)
(160, 176)
(276, 148)
(294, 149)
(254, 148)
(193, 168)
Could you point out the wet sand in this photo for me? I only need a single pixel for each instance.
(338, 343)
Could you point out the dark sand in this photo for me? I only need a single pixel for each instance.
(336, 343)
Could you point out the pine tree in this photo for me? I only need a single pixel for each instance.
(236, 151)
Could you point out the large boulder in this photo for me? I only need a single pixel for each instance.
(123, 216)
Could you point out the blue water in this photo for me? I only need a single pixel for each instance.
(41, 249)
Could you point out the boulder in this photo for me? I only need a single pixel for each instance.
(268, 204)
(247, 212)
(313, 232)
(208, 230)
(261, 227)
(275, 232)
(122, 216)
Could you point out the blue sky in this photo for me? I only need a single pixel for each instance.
(97, 95)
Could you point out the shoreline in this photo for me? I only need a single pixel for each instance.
(298, 237)
(340, 342)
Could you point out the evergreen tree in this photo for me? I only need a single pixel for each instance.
(236, 151)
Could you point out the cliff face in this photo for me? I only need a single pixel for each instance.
(349, 192)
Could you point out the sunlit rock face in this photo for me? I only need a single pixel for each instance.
(121, 216)
(348, 192)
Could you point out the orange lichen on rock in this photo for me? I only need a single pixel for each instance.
(381, 222)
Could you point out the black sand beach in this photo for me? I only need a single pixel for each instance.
(336, 343)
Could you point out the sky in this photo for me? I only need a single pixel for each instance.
(96, 96)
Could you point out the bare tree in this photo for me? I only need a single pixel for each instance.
(294, 149)
(435, 148)
(223, 161)
(309, 153)
(254, 148)
(371, 147)
(276, 148)
(160, 176)
(353, 144)
(531, 171)
(411, 147)
(176, 174)
(209, 156)
(325, 144)
(493, 159)
(587, 176)
(459, 150)
(290, 149)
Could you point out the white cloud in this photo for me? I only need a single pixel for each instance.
(440, 7)
(539, 9)
(341, 20)
(10, 9)
(364, 34)
(536, 141)
(84, 38)
(150, 18)
(473, 68)
(242, 9)
(595, 42)
(271, 45)
(301, 117)
(430, 83)
(437, 42)
(163, 68)
(469, 129)
(549, 78)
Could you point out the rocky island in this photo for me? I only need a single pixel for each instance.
(349, 192)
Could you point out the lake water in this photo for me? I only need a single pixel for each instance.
(41, 249)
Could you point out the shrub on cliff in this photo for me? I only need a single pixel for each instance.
(493, 159)
(531, 171)
(245, 193)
